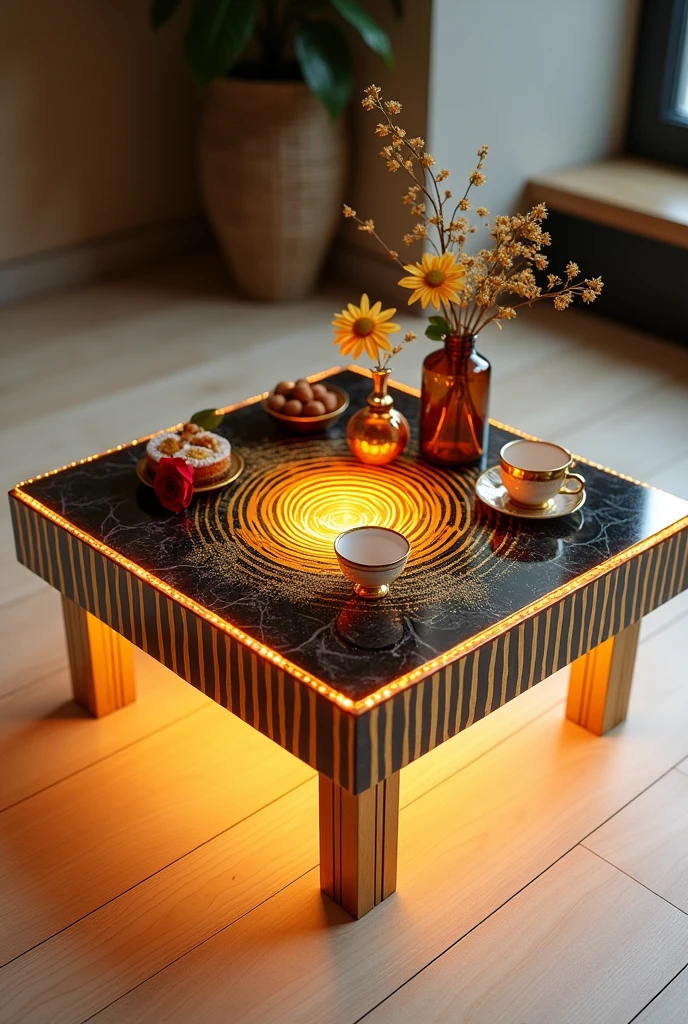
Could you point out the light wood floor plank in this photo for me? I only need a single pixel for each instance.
(582, 943)
(43, 982)
(94, 341)
(65, 980)
(69, 849)
(670, 1006)
(649, 839)
(664, 616)
(16, 582)
(635, 437)
(465, 848)
(125, 942)
(140, 324)
(45, 736)
(586, 396)
(32, 638)
(109, 342)
(672, 477)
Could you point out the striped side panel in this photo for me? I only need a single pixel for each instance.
(355, 752)
(284, 708)
(414, 721)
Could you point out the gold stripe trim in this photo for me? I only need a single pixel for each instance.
(336, 745)
(185, 649)
(21, 511)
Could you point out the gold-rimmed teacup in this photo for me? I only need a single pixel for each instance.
(534, 472)
(371, 557)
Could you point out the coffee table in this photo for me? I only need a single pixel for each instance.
(242, 598)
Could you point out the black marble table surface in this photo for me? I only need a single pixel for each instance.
(260, 555)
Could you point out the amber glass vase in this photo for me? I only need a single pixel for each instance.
(378, 433)
(454, 401)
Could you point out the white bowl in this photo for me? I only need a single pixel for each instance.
(371, 557)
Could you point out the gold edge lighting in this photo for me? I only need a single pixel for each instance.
(322, 375)
(519, 433)
(182, 599)
(417, 675)
(531, 610)
(389, 689)
(176, 426)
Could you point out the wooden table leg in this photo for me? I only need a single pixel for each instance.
(358, 844)
(101, 662)
(600, 683)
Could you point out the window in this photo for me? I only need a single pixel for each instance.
(679, 104)
(658, 121)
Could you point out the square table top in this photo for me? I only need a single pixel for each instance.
(259, 555)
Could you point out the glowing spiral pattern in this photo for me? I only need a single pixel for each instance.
(294, 518)
(284, 514)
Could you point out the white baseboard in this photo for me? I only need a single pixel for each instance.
(88, 261)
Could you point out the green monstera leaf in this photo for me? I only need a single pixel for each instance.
(218, 33)
(371, 33)
(325, 60)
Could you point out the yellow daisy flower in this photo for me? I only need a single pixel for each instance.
(435, 279)
(364, 327)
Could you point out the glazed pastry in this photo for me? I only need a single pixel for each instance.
(209, 454)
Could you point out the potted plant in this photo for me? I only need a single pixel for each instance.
(273, 151)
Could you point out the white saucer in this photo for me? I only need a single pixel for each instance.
(492, 491)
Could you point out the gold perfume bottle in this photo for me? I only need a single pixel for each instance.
(378, 433)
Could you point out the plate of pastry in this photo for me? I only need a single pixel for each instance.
(215, 463)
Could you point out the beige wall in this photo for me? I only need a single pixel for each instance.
(374, 192)
(97, 118)
(97, 113)
(543, 83)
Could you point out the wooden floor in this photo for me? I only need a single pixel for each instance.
(161, 864)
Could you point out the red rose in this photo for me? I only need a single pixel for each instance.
(173, 484)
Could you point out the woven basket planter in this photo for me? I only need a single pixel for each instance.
(273, 172)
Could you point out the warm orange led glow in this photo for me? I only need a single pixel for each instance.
(299, 518)
(293, 518)
(315, 530)
(403, 681)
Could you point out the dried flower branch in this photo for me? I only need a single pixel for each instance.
(469, 288)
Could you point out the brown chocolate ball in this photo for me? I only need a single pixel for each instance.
(302, 391)
(319, 391)
(293, 407)
(331, 401)
(276, 402)
(314, 408)
(284, 387)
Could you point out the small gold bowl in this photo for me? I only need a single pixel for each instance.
(311, 424)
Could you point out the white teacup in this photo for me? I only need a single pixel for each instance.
(371, 557)
(534, 472)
